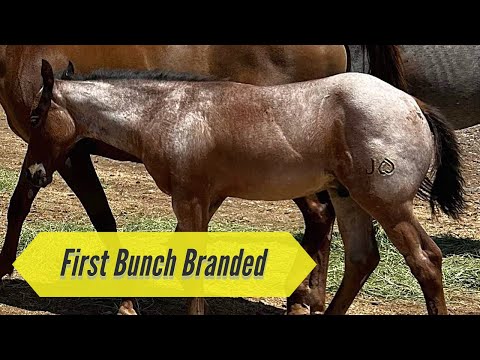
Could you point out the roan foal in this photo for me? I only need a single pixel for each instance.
(366, 142)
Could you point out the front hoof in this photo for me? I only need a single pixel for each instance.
(6, 266)
(122, 310)
(198, 307)
(127, 308)
(299, 309)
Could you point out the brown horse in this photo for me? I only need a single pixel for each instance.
(261, 65)
(204, 141)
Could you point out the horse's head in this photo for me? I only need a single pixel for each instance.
(53, 132)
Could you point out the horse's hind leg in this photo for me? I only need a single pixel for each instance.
(319, 217)
(421, 253)
(361, 252)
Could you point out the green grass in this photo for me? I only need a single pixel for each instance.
(391, 280)
(8, 180)
(30, 230)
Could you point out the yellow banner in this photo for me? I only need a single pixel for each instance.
(173, 264)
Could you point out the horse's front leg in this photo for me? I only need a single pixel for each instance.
(79, 174)
(319, 216)
(18, 209)
(193, 214)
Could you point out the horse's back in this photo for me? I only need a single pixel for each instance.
(374, 104)
(364, 90)
(275, 65)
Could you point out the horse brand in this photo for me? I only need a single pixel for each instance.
(386, 167)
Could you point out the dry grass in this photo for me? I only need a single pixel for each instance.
(392, 280)
(8, 179)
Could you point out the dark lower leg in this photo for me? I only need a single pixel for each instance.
(81, 177)
(319, 217)
(18, 210)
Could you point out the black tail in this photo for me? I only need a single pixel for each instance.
(447, 190)
(385, 62)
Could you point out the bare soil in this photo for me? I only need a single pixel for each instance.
(132, 193)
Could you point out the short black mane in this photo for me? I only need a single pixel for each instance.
(124, 74)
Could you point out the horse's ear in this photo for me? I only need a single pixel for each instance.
(46, 97)
(70, 68)
(47, 76)
(69, 72)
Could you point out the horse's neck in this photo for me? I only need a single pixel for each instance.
(20, 80)
(107, 118)
(13, 90)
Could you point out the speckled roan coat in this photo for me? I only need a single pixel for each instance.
(367, 143)
(252, 64)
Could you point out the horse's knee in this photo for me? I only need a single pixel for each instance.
(316, 207)
(320, 213)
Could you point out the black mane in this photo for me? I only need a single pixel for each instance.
(124, 74)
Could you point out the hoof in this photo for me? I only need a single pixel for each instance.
(198, 306)
(127, 308)
(299, 309)
(6, 266)
(122, 310)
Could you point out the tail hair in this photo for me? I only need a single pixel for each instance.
(385, 62)
(446, 191)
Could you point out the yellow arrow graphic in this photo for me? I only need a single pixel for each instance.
(90, 264)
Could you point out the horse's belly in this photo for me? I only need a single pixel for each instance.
(277, 185)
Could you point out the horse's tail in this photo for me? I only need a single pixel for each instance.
(385, 62)
(447, 190)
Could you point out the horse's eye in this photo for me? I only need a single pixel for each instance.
(35, 120)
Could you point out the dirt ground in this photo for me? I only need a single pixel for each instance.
(132, 193)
